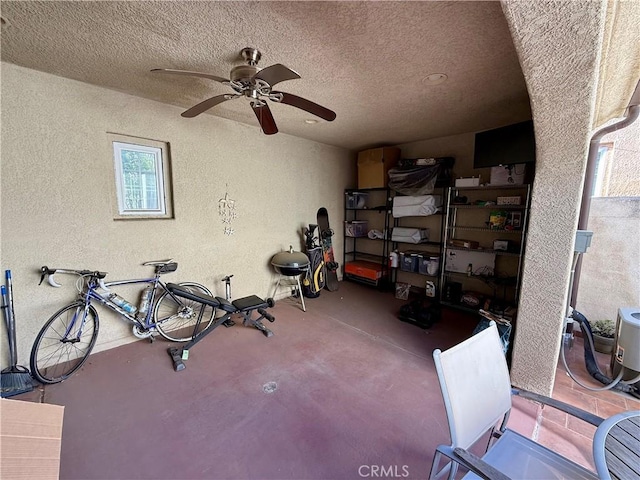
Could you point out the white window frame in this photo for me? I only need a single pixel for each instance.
(161, 165)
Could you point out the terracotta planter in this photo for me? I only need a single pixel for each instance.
(602, 344)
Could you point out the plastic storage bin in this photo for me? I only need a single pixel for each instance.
(356, 228)
(409, 261)
(428, 264)
(356, 200)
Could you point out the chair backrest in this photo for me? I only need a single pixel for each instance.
(475, 384)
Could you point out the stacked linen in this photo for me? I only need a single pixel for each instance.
(410, 235)
(420, 206)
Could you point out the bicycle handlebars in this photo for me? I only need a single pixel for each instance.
(50, 272)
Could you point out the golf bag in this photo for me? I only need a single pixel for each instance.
(314, 280)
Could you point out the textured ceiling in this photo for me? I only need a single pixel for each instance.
(367, 61)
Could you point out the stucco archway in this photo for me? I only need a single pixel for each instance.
(560, 46)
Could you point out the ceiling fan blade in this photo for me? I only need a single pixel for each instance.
(207, 104)
(191, 74)
(306, 105)
(275, 74)
(264, 116)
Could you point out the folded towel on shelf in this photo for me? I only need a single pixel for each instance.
(410, 235)
(419, 206)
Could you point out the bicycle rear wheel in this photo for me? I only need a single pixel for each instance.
(176, 317)
(64, 343)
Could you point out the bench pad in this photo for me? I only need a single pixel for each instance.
(179, 291)
(249, 303)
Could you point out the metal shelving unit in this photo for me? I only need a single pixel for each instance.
(363, 248)
(432, 247)
(468, 221)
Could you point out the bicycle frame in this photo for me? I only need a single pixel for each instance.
(146, 323)
(77, 324)
(89, 294)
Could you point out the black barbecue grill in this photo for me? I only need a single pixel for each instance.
(291, 264)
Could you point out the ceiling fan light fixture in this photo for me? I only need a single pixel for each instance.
(435, 78)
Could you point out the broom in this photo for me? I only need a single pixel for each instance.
(15, 379)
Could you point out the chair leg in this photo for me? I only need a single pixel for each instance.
(434, 466)
(450, 466)
(453, 469)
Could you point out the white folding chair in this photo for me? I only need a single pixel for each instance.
(475, 384)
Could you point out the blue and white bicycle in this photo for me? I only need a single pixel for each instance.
(67, 338)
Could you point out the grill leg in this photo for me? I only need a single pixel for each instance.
(304, 309)
(298, 284)
(277, 286)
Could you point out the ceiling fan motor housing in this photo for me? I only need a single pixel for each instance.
(243, 73)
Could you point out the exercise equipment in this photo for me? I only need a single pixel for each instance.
(245, 307)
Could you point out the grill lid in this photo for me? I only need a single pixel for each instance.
(290, 259)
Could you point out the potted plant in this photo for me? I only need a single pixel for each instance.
(603, 333)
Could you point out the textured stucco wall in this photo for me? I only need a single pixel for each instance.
(57, 178)
(610, 272)
(622, 177)
(460, 147)
(560, 64)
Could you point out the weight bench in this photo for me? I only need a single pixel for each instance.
(245, 307)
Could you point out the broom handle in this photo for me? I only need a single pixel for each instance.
(5, 306)
(11, 325)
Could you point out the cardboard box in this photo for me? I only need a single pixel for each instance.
(31, 437)
(374, 166)
(515, 200)
(458, 242)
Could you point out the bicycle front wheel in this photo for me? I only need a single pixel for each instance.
(64, 343)
(176, 318)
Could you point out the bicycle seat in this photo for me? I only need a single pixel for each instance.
(163, 266)
(196, 297)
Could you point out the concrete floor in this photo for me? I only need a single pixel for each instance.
(355, 388)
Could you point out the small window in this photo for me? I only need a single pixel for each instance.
(142, 178)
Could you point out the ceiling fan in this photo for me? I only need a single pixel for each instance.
(255, 84)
